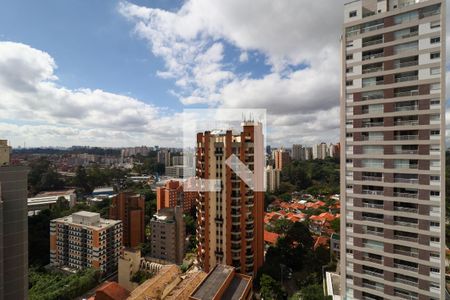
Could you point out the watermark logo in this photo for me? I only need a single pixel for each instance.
(217, 140)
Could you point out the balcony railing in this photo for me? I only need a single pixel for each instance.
(372, 124)
(406, 195)
(407, 224)
(372, 97)
(406, 209)
(373, 286)
(377, 233)
(372, 83)
(406, 123)
(373, 219)
(404, 137)
(372, 28)
(405, 296)
(372, 70)
(374, 260)
(372, 273)
(406, 238)
(372, 178)
(407, 93)
(406, 151)
(406, 64)
(405, 267)
(373, 205)
(405, 281)
(406, 78)
(406, 166)
(373, 56)
(406, 180)
(372, 192)
(406, 253)
(406, 108)
(373, 42)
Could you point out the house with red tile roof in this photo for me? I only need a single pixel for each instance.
(270, 238)
(321, 241)
(110, 291)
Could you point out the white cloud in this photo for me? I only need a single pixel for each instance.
(45, 113)
(243, 57)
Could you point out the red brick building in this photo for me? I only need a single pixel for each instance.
(129, 208)
(172, 194)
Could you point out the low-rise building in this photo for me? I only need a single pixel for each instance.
(223, 282)
(84, 240)
(175, 171)
(168, 235)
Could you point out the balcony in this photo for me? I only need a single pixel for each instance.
(406, 78)
(372, 56)
(406, 195)
(406, 253)
(373, 286)
(406, 238)
(372, 96)
(406, 180)
(404, 137)
(373, 42)
(371, 219)
(406, 209)
(406, 64)
(372, 83)
(406, 267)
(374, 260)
(406, 281)
(406, 93)
(372, 28)
(373, 192)
(377, 233)
(406, 166)
(372, 70)
(372, 178)
(406, 224)
(406, 122)
(372, 124)
(373, 205)
(407, 107)
(372, 273)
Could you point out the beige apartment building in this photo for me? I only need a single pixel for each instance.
(84, 240)
(393, 150)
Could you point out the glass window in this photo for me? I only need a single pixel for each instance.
(435, 24)
(435, 40)
(435, 71)
(406, 17)
(435, 55)
(353, 13)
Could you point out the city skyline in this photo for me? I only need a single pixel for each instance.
(117, 84)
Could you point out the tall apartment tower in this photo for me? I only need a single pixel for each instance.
(129, 208)
(282, 158)
(393, 150)
(13, 228)
(172, 194)
(230, 221)
(298, 152)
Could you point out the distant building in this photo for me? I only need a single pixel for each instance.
(282, 158)
(308, 153)
(175, 171)
(103, 192)
(335, 150)
(13, 228)
(132, 151)
(320, 151)
(168, 234)
(172, 194)
(5, 152)
(84, 240)
(224, 283)
(298, 152)
(164, 157)
(129, 208)
(177, 160)
(272, 179)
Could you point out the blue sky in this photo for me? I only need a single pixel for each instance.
(118, 73)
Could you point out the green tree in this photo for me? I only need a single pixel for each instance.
(271, 289)
(313, 292)
(281, 225)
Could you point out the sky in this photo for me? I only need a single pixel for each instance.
(120, 73)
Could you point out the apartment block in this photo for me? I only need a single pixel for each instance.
(393, 150)
(5, 152)
(281, 157)
(172, 194)
(272, 179)
(84, 240)
(129, 208)
(298, 152)
(230, 220)
(168, 235)
(13, 228)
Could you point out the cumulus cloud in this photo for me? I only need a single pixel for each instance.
(62, 116)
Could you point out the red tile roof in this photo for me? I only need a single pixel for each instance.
(270, 237)
(321, 241)
(111, 290)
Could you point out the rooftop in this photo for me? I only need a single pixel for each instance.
(88, 220)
